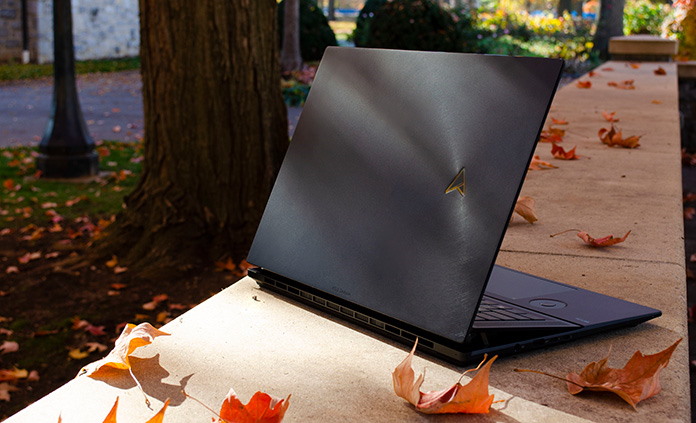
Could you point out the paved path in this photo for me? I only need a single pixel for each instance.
(111, 105)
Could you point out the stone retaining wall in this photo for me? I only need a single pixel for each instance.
(11, 29)
(101, 29)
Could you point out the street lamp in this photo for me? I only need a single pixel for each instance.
(66, 150)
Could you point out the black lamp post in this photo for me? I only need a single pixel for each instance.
(66, 150)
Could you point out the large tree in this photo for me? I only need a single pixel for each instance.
(609, 24)
(215, 134)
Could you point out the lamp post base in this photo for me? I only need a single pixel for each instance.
(74, 166)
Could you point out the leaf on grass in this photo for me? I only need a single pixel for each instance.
(9, 347)
(261, 408)
(77, 354)
(601, 242)
(11, 375)
(689, 213)
(226, 265)
(559, 153)
(538, 164)
(639, 379)
(131, 338)
(660, 71)
(525, 208)
(5, 389)
(584, 84)
(472, 398)
(612, 137)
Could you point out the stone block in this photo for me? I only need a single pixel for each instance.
(642, 47)
(8, 13)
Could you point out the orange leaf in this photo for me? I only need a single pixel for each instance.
(472, 398)
(610, 116)
(584, 84)
(131, 338)
(660, 71)
(656, 101)
(559, 121)
(634, 65)
(12, 375)
(261, 408)
(538, 164)
(612, 137)
(639, 379)
(159, 417)
(601, 242)
(525, 208)
(226, 265)
(608, 69)
(559, 153)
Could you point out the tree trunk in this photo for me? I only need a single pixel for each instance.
(609, 24)
(331, 10)
(290, 54)
(215, 134)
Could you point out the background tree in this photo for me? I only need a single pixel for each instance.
(290, 54)
(215, 134)
(609, 24)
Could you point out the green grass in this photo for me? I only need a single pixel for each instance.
(26, 199)
(15, 71)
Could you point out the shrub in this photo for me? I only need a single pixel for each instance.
(362, 22)
(644, 17)
(413, 25)
(315, 32)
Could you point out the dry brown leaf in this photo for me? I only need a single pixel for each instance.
(472, 398)
(612, 137)
(558, 152)
(639, 379)
(525, 208)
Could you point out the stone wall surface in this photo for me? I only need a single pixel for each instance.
(101, 29)
(11, 29)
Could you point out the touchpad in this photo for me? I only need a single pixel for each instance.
(513, 284)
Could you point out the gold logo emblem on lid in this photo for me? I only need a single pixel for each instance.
(458, 184)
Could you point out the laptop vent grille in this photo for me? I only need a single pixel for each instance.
(325, 304)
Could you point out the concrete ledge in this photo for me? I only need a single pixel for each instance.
(252, 340)
(642, 47)
(687, 70)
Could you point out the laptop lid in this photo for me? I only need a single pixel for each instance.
(401, 177)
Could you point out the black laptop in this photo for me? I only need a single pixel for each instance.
(394, 196)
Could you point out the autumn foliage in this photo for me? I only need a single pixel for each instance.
(472, 398)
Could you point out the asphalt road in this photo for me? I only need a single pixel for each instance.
(111, 105)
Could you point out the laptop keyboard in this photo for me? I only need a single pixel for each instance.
(495, 310)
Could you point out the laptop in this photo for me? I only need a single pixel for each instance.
(394, 196)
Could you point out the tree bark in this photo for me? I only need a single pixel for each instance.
(331, 10)
(290, 54)
(215, 134)
(609, 24)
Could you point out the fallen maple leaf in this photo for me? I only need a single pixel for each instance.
(77, 354)
(559, 121)
(559, 153)
(656, 101)
(584, 84)
(226, 265)
(525, 208)
(552, 135)
(13, 374)
(538, 164)
(261, 408)
(610, 116)
(689, 213)
(602, 242)
(5, 389)
(9, 347)
(131, 338)
(660, 71)
(595, 242)
(472, 398)
(634, 65)
(111, 417)
(639, 379)
(612, 137)
(608, 69)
